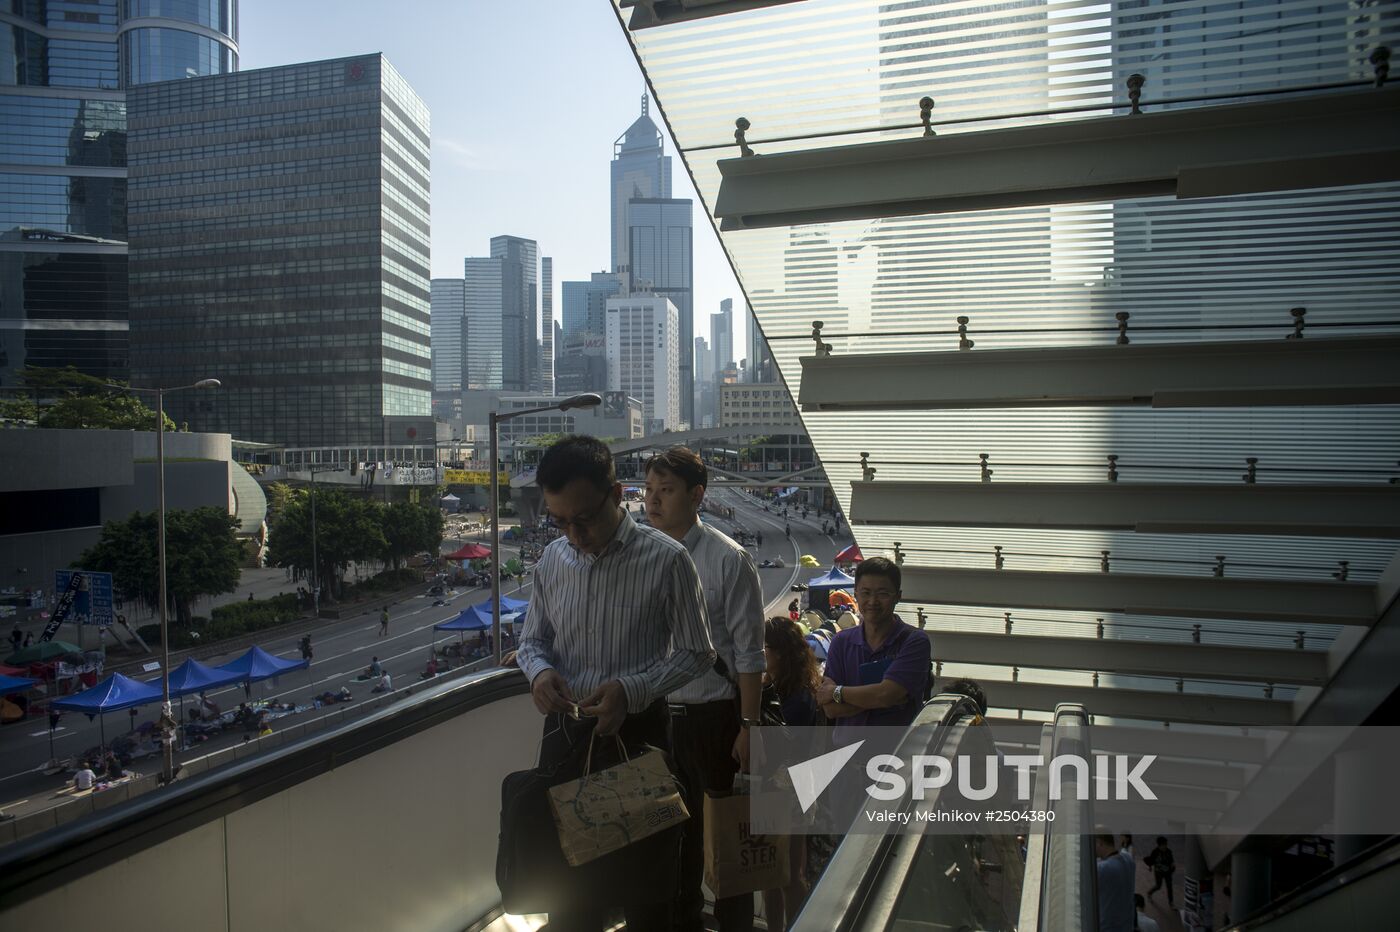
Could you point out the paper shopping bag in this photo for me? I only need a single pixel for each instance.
(608, 809)
(738, 861)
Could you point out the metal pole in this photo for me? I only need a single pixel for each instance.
(495, 541)
(168, 768)
(315, 572)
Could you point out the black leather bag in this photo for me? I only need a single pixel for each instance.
(530, 868)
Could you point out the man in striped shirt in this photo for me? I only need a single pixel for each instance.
(710, 735)
(617, 620)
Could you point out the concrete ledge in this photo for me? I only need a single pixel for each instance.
(35, 823)
(109, 798)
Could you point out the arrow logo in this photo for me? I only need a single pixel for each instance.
(811, 777)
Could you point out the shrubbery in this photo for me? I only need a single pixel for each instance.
(229, 621)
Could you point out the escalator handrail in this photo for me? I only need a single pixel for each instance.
(1035, 914)
(35, 865)
(1378, 857)
(1036, 847)
(837, 901)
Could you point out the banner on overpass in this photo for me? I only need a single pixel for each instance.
(472, 477)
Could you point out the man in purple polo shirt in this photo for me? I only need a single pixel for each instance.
(876, 672)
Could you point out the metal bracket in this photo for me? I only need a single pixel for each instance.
(986, 473)
(823, 349)
(742, 126)
(1122, 318)
(1253, 469)
(1112, 468)
(1380, 60)
(866, 472)
(926, 115)
(1007, 615)
(1103, 561)
(963, 342)
(898, 555)
(1000, 560)
(1219, 569)
(1298, 314)
(1135, 83)
(1195, 634)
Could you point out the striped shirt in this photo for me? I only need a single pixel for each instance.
(634, 613)
(734, 602)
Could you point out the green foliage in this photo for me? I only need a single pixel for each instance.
(68, 399)
(348, 530)
(387, 581)
(18, 408)
(105, 412)
(409, 529)
(229, 621)
(278, 495)
(201, 550)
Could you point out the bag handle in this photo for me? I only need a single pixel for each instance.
(588, 761)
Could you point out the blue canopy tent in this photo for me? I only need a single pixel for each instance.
(113, 694)
(257, 664)
(14, 684)
(193, 676)
(819, 588)
(478, 617)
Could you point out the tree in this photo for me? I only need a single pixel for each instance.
(348, 530)
(19, 408)
(109, 412)
(409, 529)
(278, 495)
(202, 556)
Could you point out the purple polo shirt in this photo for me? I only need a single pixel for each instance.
(905, 659)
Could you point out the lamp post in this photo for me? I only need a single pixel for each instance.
(586, 400)
(167, 713)
(315, 564)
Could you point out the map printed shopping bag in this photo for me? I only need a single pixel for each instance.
(608, 809)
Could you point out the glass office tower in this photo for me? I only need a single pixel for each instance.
(64, 65)
(295, 272)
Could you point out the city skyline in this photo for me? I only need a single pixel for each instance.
(504, 162)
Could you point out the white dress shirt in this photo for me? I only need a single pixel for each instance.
(734, 602)
(633, 613)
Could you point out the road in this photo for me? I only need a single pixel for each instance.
(344, 647)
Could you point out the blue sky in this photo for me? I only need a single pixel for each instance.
(526, 97)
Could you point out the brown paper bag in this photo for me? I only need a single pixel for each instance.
(607, 810)
(737, 861)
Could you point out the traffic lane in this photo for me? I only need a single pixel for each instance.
(807, 537)
(351, 641)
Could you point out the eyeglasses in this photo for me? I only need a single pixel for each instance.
(881, 594)
(582, 522)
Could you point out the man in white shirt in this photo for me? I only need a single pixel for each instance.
(709, 735)
(85, 778)
(616, 622)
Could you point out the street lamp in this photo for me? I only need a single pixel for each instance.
(315, 568)
(167, 714)
(586, 400)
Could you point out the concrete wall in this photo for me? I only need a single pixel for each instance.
(31, 460)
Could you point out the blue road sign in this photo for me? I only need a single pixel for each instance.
(92, 603)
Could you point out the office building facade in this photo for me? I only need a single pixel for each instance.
(520, 312)
(297, 275)
(64, 68)
(722, 336)
(660, 256)
(449, 339)
(484, 294)
(643, 351)
(640, 168)
(585, 304)
(546, 377)
(582, 365)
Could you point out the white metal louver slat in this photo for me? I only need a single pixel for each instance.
(1221, 268)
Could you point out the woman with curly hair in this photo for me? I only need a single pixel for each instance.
(793, 673)
(792, 669)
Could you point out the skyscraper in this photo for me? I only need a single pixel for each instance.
(640, 168)
(660, 255)
(585, 304)
(520, 315)
(643, 356)
(546, 378)
(760, 358)
(449, 337)
(485, 290)
(722, 337)
(63, 187)
(296, 274)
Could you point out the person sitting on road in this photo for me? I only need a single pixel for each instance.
(431, 669)
(374, 669)
(385, 683)
(85, 778)
(114, 767)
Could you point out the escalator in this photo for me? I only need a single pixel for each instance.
(970, 882)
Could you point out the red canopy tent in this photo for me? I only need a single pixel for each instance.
(850, 555)
(471, 552)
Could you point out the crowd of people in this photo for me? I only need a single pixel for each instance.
(687, 656)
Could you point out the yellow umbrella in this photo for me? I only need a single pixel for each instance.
(808, 560)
